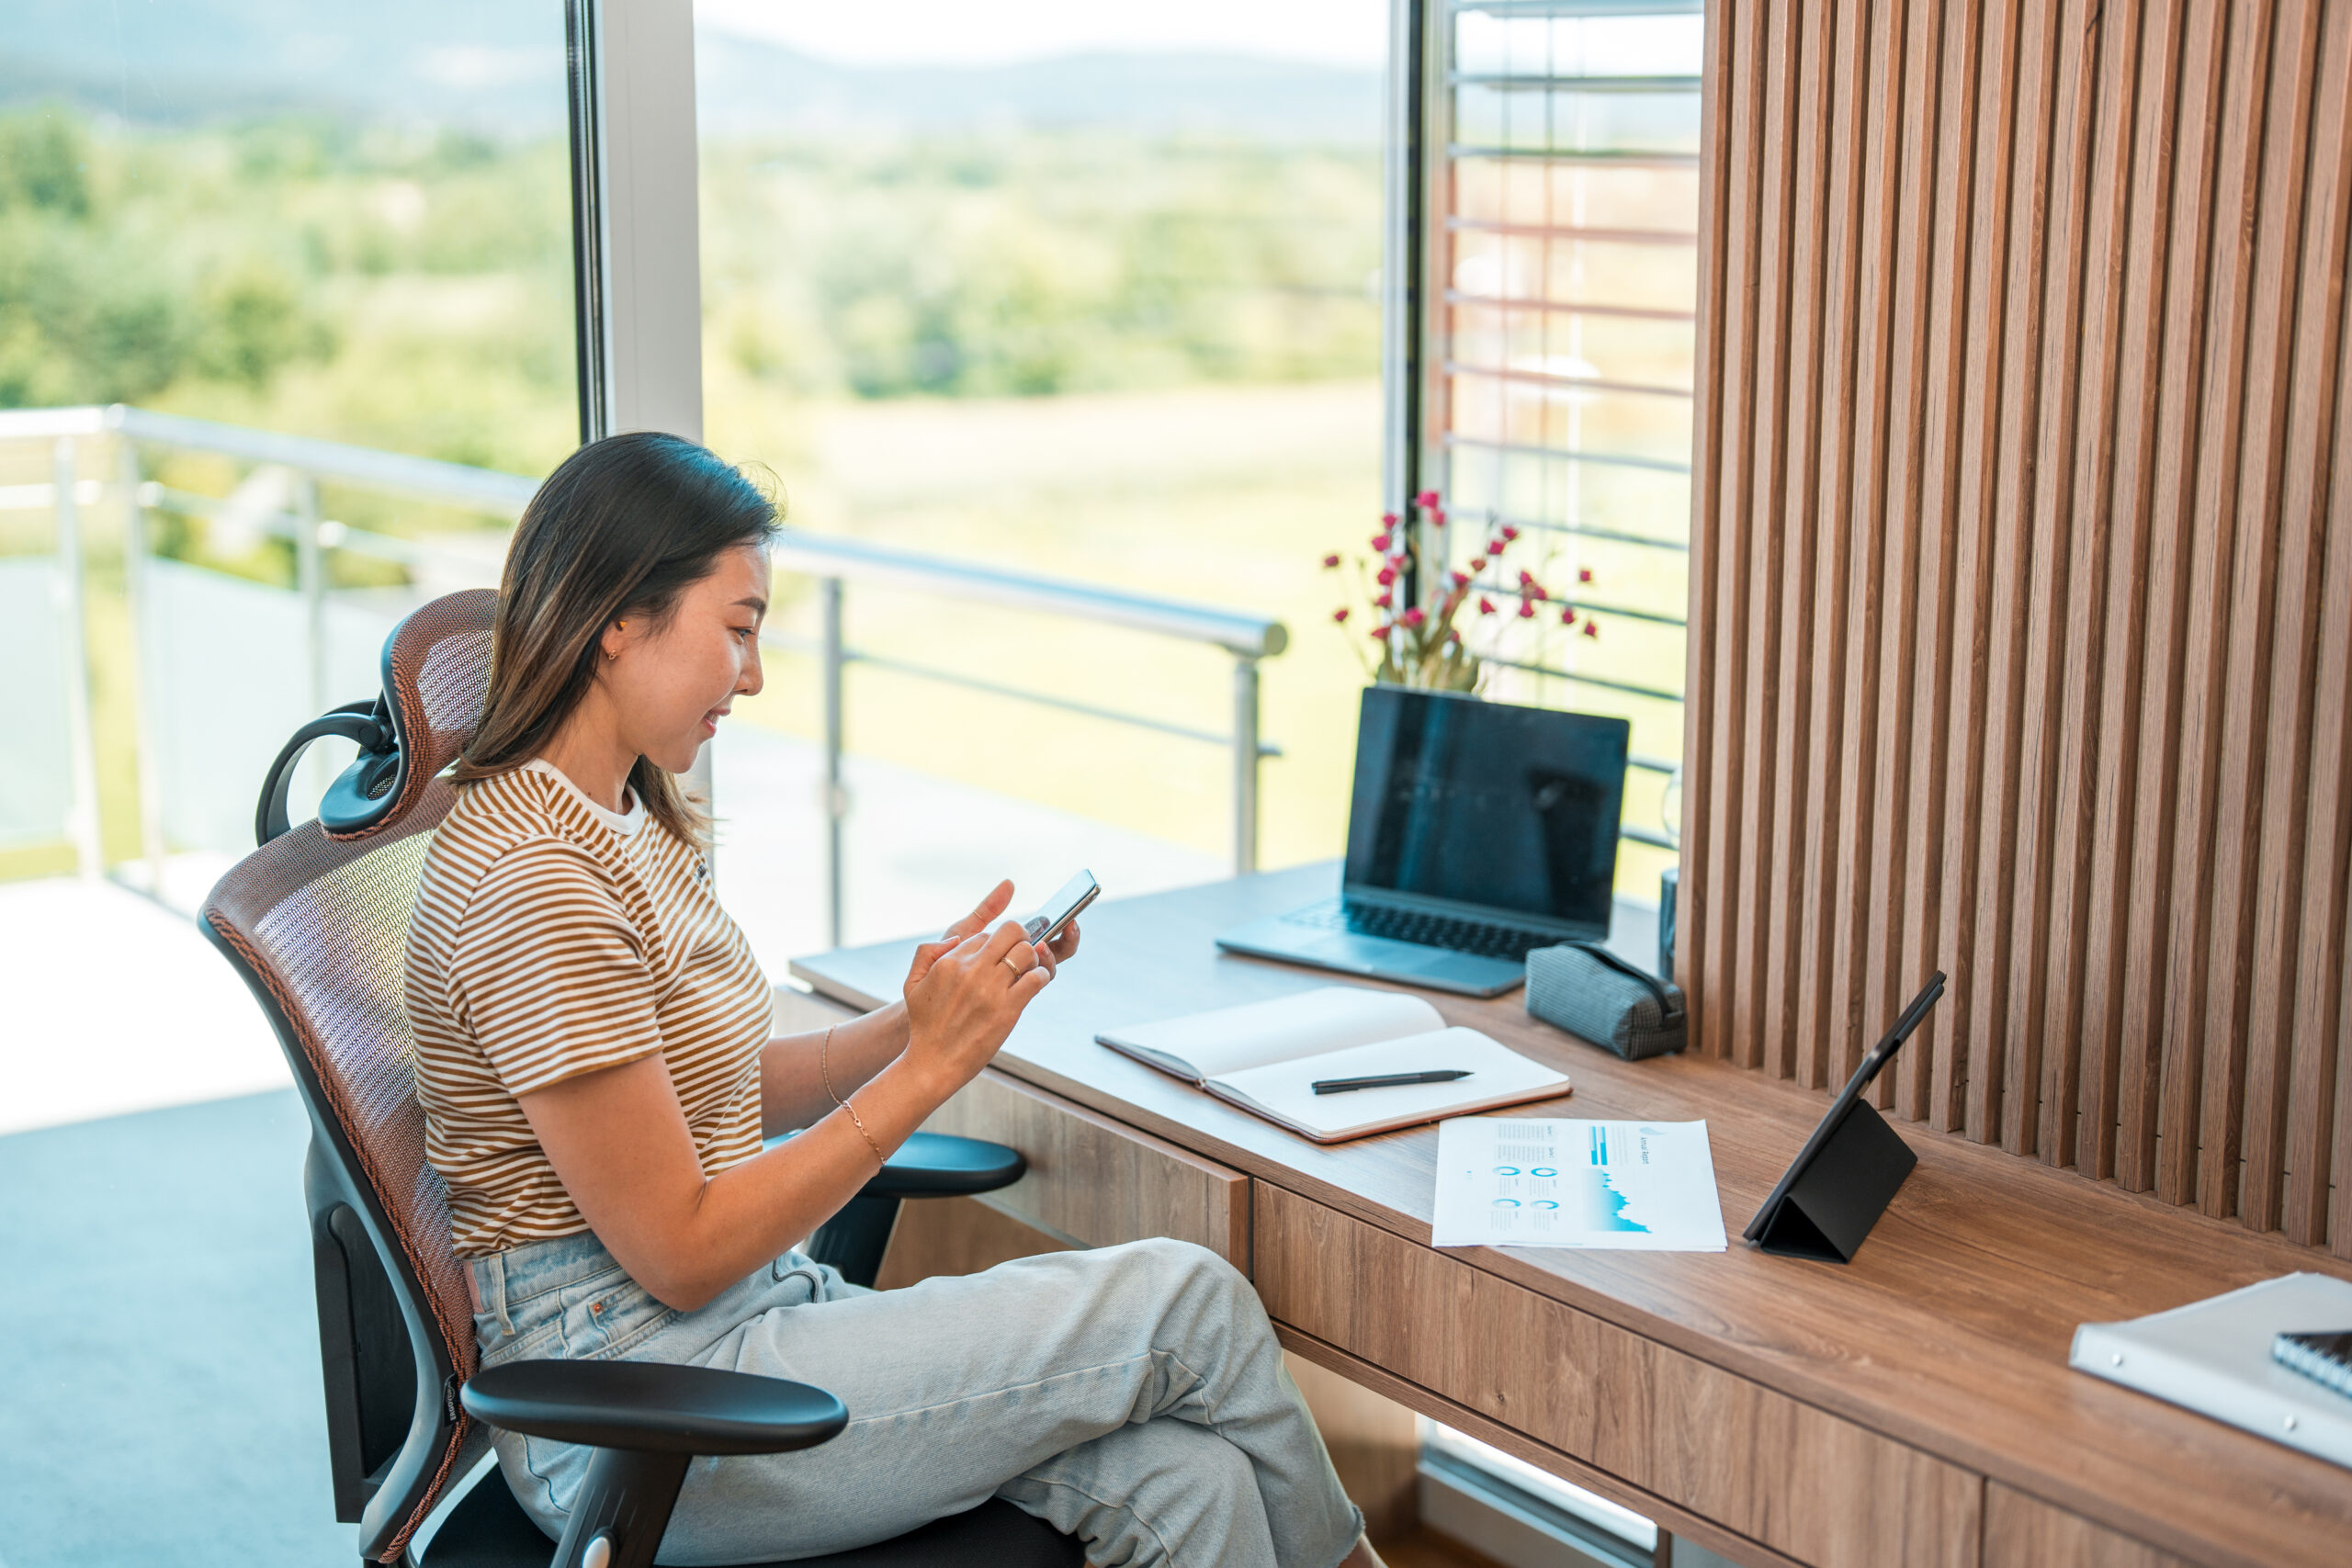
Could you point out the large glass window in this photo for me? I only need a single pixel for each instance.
(1564, 238)
(1086, 292)
(229, 225)
(285, 290)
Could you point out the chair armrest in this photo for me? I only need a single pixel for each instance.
(649, 1408)
(938, 1165)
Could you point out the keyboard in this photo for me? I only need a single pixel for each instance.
(1488, 941)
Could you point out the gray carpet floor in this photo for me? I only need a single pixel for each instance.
(159, 1388)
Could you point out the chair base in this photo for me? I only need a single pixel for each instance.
(489, 1529)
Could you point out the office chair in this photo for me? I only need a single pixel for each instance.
(315, 920)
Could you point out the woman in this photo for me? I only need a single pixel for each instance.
(598, 1077)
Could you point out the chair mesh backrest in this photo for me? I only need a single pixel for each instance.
(324, 922)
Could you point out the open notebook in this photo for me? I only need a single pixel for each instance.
(1263, 1056)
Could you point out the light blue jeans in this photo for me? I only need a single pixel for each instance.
(1132, 1397)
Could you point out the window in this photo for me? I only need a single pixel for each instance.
(241, 225)
(1562, 145)
(1081, 291)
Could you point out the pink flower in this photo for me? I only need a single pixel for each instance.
(1568, 617)
(1535, 591)
(1387, 520)
(1592, 628)
(1387, 575)
(1485, 605)
(1341, 615)
(1415, 616)
(1525, 577)
(1526, 609)
(1330, 562)
(1462, 579)
(1495, 546)
(1427, 498)
(1383, 602)
(1584, 574)
(1509, 533)
(1454, 638)
(1380, 543)
(1437, 517)
(1380, 634)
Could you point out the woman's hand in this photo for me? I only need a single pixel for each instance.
(1064, 944)
(963, 999)
(983, 915)
(1053, 953)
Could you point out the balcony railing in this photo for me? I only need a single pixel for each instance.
(833, 562)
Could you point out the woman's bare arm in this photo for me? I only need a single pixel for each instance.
(793, 1068)
(619, 1142)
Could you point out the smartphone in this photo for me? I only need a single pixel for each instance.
(1062, 907)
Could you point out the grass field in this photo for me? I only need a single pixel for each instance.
(1225, 496)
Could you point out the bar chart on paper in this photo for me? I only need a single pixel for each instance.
(1511, 1181)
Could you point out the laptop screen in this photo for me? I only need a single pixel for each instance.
(1510, 809)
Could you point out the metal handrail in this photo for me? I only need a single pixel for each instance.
(833, 561)
(498, 493)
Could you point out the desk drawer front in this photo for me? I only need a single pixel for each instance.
(1096, 1181)
(1804, 1483)
(2021, 1529)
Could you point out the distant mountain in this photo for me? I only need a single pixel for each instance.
(495, 67)
(498, 68)
(748, 87)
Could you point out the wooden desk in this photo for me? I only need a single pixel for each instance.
(1914, 1406)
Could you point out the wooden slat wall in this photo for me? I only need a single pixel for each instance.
(2021, 599)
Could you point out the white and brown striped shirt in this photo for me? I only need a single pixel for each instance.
(553, 938)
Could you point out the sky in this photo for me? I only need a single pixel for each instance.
(966, 32)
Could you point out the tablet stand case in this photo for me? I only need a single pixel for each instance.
(1831, 1206)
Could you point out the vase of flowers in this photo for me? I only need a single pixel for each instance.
(1422, 643)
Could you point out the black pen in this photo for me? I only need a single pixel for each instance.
(1388, 1080)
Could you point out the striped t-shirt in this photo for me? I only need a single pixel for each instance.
(553, 938)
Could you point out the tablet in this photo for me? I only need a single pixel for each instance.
(1879, 1054)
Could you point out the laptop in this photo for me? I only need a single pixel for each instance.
(1478, 831)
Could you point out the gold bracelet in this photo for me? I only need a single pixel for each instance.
(826, 1073)
(859, 1123)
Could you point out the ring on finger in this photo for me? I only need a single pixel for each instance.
(1009, 964)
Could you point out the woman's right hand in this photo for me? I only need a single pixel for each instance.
(964, 996)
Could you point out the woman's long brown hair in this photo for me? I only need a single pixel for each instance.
(620, 529)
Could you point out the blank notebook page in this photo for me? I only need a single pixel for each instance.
(1230, 1039)
(1286, 1088)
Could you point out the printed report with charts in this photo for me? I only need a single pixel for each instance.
(1266, 1057)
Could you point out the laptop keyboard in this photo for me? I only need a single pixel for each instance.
(1507, 942)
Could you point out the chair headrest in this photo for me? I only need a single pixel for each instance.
(436, 674)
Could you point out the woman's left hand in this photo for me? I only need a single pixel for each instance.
(985, 914)
(1052, 954)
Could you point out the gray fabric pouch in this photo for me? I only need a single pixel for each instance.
(1596, 996)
